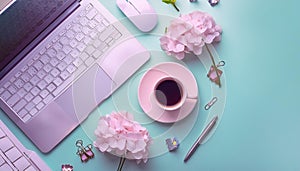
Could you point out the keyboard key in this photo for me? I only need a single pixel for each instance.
(34, 80)
(12, 89)
(13, 99)
(83, 13)
(79, 36)
(22, 163)
(51, 52)
(57, 81)
(55, 39)
(44, 59)
(24, 68)
(71, 69)
(79, 70)
(47, 68)
(48, 99)
(44, 93)
(2, 134)
(30, 106)
(1, 159)
(42, 51)
(5, 95)
(88, 7)
(77, 62)
(84, 56)
(70, 34)
(13, 79)
(97, 54)
(62, 32)
(92, 25)
(31, 168)
(97, 43)
(49, 79)
(29, 97)
(77, 28)
(19, 105)
(90, 50)
(22, 113)
(64, 75)
(42, 84)
(62, 66)
(90, 15)
(83, 21)
(64, 40)
(57, 47)
(41, 74)
(54, 62)
(27, 86)
(33, 111)
(6, 167)
(94, 34)
(48, 45)
(5, 144)
(108, 40)
(38, 65)
(26, 118)
(19, 83)
(75, 53)
(55, 72)
(87, 40)
(100, 28)
(51, 87)
(35, 91)
(32, 71)
(40, 105)
(37, 100)
(26, 77)
(105, 22)
(89, 61)
(99, 18)
(67, 49)
(73, 43)
(69, 25)
(6, 85)
(22, 92)
(13, 154)
(18, 74)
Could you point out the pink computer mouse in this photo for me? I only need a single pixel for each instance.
(140, 13)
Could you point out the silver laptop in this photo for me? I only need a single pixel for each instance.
(59, 60)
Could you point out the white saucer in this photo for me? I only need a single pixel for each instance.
(147, 98)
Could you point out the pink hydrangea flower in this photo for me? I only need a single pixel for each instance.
(189, 33)
(119, 134)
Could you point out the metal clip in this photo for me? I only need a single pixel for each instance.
(211, 103)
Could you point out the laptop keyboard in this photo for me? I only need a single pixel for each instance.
(52, 68)
(12, 154)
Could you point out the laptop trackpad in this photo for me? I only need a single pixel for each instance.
(87, 93)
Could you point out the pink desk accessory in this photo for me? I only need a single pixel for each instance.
(148, 94)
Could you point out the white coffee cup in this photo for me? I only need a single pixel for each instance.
(169, 93)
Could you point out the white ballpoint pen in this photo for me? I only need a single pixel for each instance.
(201, 138)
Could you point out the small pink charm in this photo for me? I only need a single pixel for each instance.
(85, 153)
(66, 167)
(215, 74)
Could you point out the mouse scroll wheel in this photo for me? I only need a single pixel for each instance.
(133, 6)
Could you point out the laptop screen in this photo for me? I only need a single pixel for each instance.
(23, 21)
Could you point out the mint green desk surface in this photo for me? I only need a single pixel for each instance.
(260, 127)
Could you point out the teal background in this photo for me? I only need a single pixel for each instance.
(259, 130)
